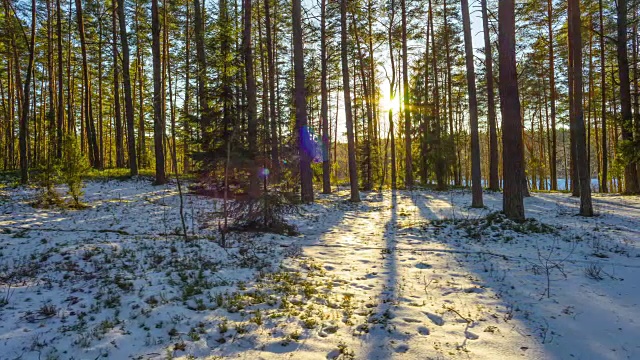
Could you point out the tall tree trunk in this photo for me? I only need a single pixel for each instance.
(140, 77)
(71, 124)
(344, 46)
(392, 85)
(603, 103)
(51, 111)
(94, 153)
(552, 86)
(581, 161)
(427, 113)
(439, 163)
(119, 136)
(324, 94)
(187, 92)
(408, 168)
(227, 79)
(252, 122)
(374, 142)
(631, 185)
(368, 96)
(494, 181)
(60, 105)
(634, 61)
(158, 128)
(128, 100)
(476, 175)
(100, 130)
(456, 175)
(205, 121)
(24, 115)
(575, 187)
(275, 156)
(164, 59)
(304, 142)
(513, 151)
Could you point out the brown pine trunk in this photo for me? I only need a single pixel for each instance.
(374, 132)
(94, 154)
(128, 100)
(392, 94)
(603, 103)
(440, 164)
(368, 96)
(476, 175)
(119, 136)
(494, 181)
(51, 111)
(187, 92)
(513, 151)
(252, 123)
(552, 86)
(205, 121)
(139, 77)
(158, 128)
(456, 175)
(100, 132)
(631, 185)
(353, 171)
(324, 94)
(60, 105)
(303, 137)
(24, 115)
(636, 90)
(581, 161)
(427, 114)
(275, 156)
(408, 168)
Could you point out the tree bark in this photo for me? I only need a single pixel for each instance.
(187, 91)
(631, 185)
(513, 151)
(275, 156)
(552, 86)
(100, 130)
(158, 128)
(139, 76)
(324, 94)
(392, 94)
(408, 168)
(456, 175)
(128, 100)
(368, 96)
(603, 103)
(94, 153)
(439, 159)
(304, 142)
(476, 175)
(252, 123)
(60, 105)
(581, 161)
(494, 181)
(119, 136)
(344, 46)
(205, 121)
(24, 115)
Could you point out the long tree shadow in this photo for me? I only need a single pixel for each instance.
(381, 333)
(518, 285)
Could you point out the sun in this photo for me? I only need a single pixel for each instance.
(390, 103)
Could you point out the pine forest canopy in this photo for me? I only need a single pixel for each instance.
(272, 94)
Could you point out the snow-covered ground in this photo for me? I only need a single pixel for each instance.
(407, 275)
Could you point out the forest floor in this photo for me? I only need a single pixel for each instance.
(410, 275)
